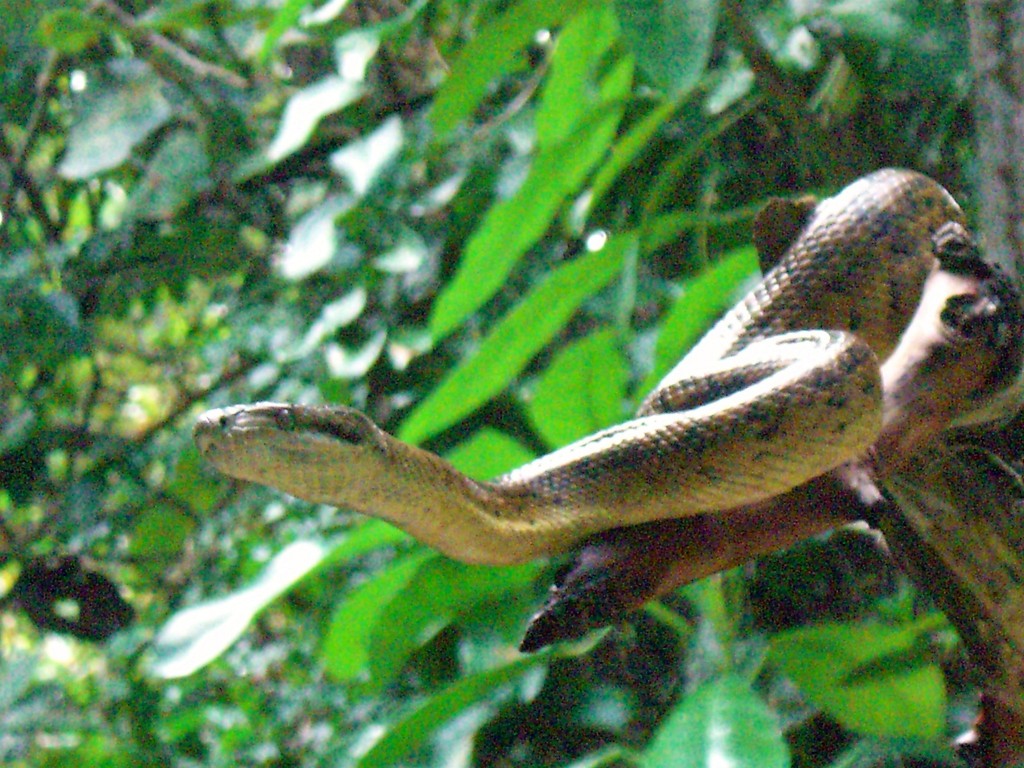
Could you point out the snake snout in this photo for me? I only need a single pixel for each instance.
(217, 425)
(208, 428)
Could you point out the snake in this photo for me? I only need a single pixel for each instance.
(783, 388)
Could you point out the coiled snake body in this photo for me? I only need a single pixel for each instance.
(782, 389)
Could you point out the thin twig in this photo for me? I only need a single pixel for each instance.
(155, 42)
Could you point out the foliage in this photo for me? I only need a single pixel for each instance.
(491, 226)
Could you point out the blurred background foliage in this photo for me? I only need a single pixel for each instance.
(492, 225)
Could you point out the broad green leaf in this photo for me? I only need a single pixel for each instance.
(722, 723)
(439, 592)
(491, 54)
(583, 390)
(513, 225)
(367, 536)
(671, 39)
(346, 651)
(488, 453)
(627, 148)
(703, 299)
(418, 728)
(197, 635)
(116, 114)
(872, 678)
(515, 339)
(177, 172)
(569, 87)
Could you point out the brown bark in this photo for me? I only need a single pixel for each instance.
(997, 59)
(948, 362)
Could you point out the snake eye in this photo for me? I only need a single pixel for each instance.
(283, 418)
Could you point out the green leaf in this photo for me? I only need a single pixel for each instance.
(439, 593)
(569, 91)
(286, 17)
(515, 339)
(69, 30)
(417, 728)
(583, 390)
(513, 225)
(491, 54)
(346, 650)
(874, 679)
(722, 723)
(158, 536)
(703, 299)
(117, 113)
(488, 453)
(671, 39)
(177, 172)
(637, 139)
(197, 635)
(369, 535)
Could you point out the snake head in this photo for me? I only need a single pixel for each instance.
(344, 424)
(248, 441)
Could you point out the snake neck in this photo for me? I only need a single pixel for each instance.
(426, 496)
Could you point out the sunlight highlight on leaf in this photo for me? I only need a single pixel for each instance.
(197, 635)
(313, 240)
(116, 115)
(362, 161)
(306, 108)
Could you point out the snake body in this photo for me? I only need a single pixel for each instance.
(783, 388)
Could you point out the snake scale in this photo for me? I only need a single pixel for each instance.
(783, 388)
